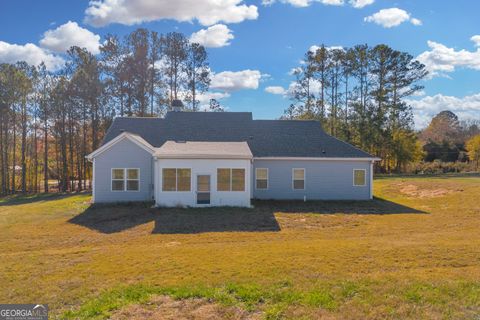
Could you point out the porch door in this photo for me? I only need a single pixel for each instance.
(203, 189)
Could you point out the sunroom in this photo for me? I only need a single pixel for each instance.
(196, 174)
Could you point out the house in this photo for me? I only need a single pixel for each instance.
(225, 159)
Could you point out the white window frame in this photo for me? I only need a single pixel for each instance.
(231, 179)
(176, 179)
(304, 178)
(268, 184)
(353, 177)
(125, 179)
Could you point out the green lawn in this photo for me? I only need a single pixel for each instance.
(414, 252)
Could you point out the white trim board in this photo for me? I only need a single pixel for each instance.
(125, 135)
(316, 158)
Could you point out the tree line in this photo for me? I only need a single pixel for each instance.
(49, 121)
(447, 139)
(359, 96)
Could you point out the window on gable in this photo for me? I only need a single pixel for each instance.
(118, 182)
(298, 179)
(359, 177)
(261, 178)
(125, 179)
(133, 179)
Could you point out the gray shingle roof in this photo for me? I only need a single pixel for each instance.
(266, 138)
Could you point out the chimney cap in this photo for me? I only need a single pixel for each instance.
(177, 105)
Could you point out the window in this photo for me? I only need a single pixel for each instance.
(174, 179)
(359, 177)
(230, 179)
(298, 179)
(261, 178)
(118, 182)
(133, 180)
(238, 179)
(125, 179)
(183, 179)
(223, 179)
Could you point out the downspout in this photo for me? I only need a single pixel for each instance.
(371, 179)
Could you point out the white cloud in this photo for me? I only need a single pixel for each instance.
(206, 96)
(314, 48)
(236, 80)
(476, 40)
(30, 53)
(275, 90)
(216, 36)
(361, 3)
(70, 34)
(416, 22)
(441, 59)
(424, 109)
(294, 70)
(304, 3)
(129, 12)
(392, 17)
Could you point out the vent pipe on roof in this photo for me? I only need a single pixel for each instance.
(177, 105)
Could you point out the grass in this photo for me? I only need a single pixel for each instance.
(414, 252)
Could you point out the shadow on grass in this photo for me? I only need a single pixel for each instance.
(376, 206)
(19, 199)
(116, 218)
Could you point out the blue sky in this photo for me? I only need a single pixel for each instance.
(253, 45)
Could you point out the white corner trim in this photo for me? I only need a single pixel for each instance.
(125, 135)
(371, 180)
(93, 181)
(317, 158)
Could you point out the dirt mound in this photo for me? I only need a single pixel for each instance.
(415, 191)
(166, 308)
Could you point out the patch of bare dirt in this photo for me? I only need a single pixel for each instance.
(412, 190)
(167, 308)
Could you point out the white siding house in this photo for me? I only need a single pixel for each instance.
(200, 159)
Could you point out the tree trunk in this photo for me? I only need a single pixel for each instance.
(45, 154)
(24, 138)
(35, 156)
(14, 154)
(2, 160)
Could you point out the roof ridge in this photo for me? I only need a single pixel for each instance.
(135, 117)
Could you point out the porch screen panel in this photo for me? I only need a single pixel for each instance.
(169, 179)
(223, 179)
(183, 179)
(238, 179)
